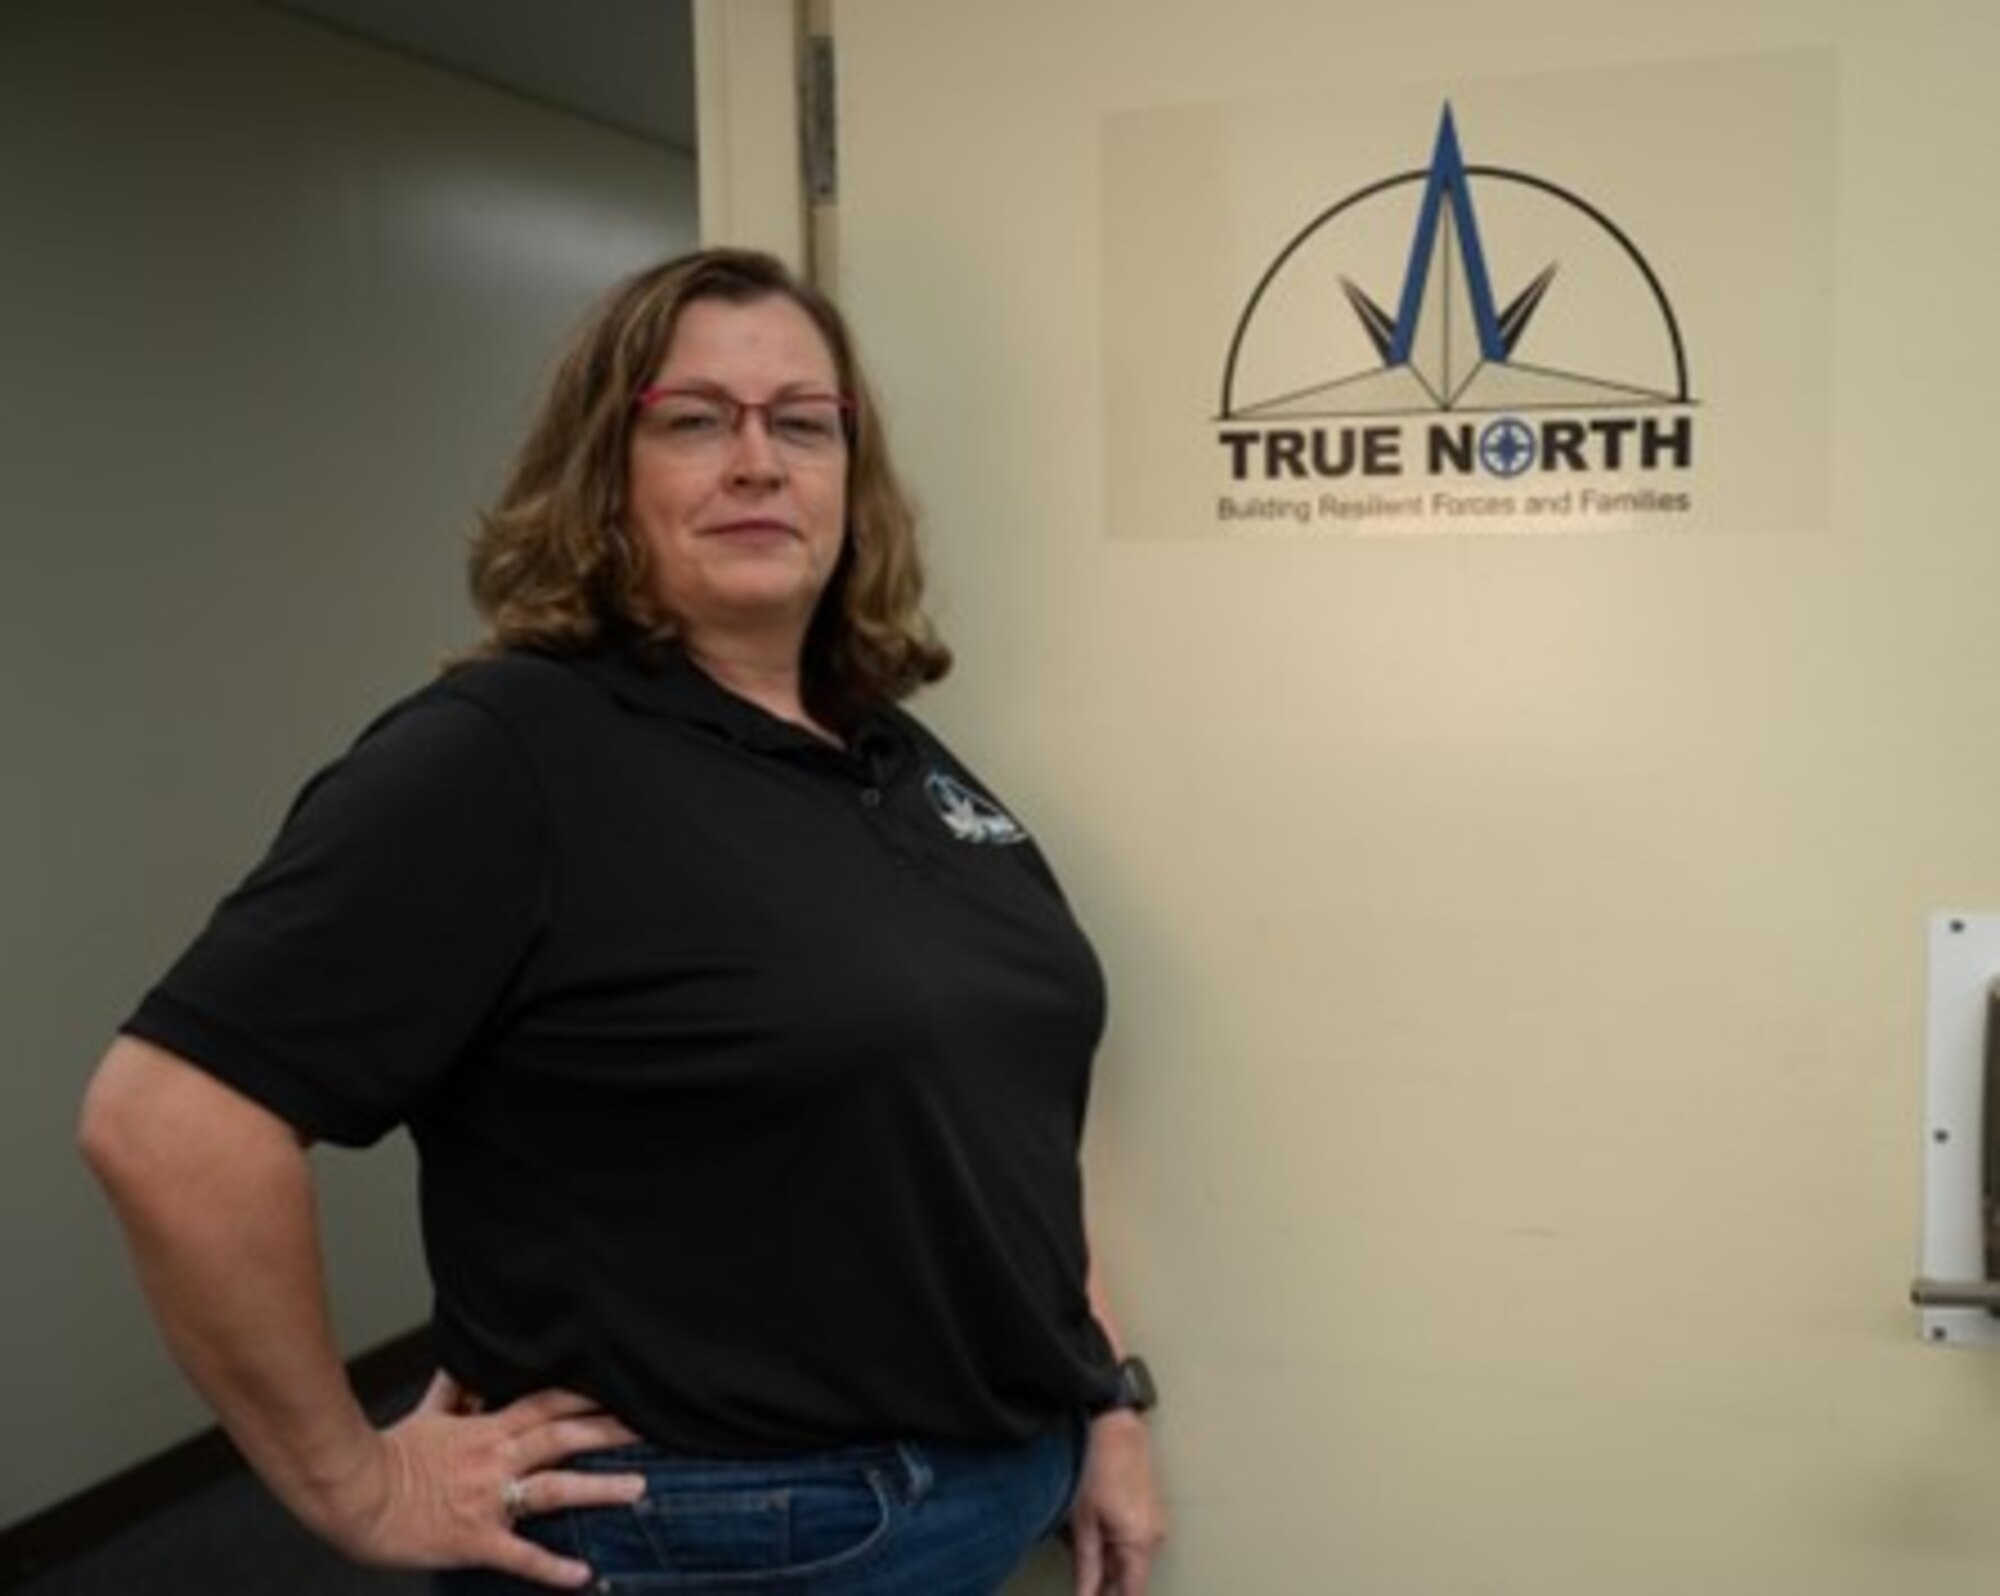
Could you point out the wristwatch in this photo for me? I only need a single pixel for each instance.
(1134, 1392)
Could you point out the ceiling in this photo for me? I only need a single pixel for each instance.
(628, 63)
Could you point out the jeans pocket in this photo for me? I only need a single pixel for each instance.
(714, 1526)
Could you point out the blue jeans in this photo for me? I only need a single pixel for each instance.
(901, 1520)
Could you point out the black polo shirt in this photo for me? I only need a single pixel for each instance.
(747, 1074)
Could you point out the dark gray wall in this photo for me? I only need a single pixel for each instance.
(273, 303)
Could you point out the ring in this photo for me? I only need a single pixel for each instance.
(514, 1498)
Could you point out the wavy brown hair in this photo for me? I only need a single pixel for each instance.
(555, 568)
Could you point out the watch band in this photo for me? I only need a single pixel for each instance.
(1133, 1393)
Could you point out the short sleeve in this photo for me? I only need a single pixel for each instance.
(354, 966)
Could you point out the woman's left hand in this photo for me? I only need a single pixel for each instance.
(1118, 1521)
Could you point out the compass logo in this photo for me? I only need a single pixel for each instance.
(1529, 359)
(971, 816)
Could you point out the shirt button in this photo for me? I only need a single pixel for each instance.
(871, 797)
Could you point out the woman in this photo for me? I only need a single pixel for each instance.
(744, 1038)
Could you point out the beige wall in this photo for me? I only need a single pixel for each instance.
(1509, 1143)
(272, 306)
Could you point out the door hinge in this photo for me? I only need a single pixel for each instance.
(818, 121)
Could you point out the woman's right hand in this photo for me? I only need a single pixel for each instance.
(215, 1195)
(447, 1482)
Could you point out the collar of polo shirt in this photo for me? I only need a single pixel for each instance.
(664, 681)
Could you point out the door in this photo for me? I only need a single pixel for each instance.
(1507, 1146)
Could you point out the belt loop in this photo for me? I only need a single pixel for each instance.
(918, 1475)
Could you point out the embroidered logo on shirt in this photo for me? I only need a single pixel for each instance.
(971, 816)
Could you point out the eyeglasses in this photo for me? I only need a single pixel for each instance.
(702, 421)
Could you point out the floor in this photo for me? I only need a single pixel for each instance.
(231, 1540)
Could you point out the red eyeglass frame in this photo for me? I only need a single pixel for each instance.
(646, 398)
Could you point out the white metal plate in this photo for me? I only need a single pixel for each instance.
(1964, 963)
